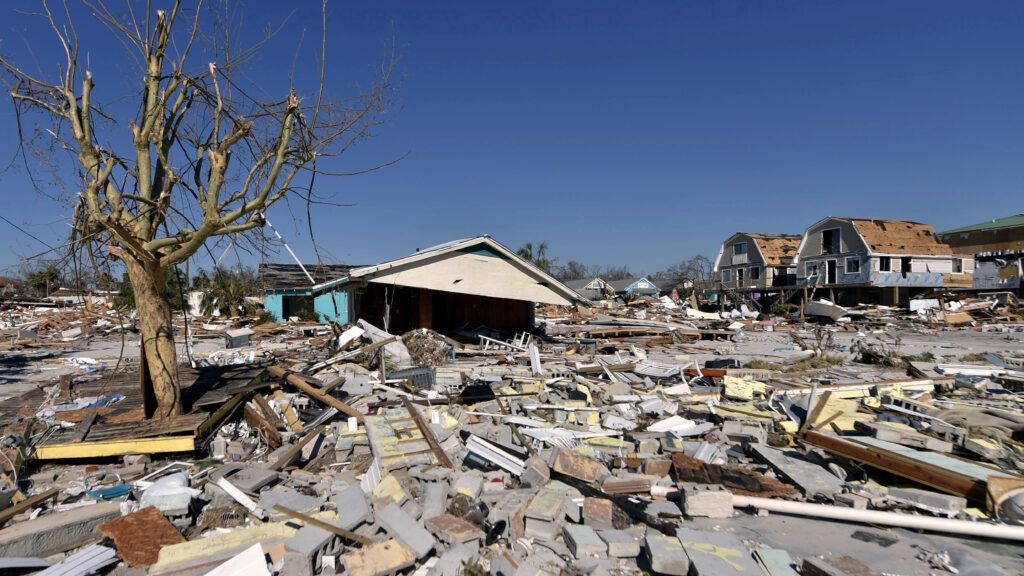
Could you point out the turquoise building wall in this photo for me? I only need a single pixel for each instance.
(322, 304)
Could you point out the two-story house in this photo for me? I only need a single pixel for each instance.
(757, 263)
(997, 247)
(876, 260)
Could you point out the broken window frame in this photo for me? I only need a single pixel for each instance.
(885, 264)
(836, 245)
(726, 276)
(855, 269)
(739, 249)
(811, 269)
(755, 273)
(958, 265)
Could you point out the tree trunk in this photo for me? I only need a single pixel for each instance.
(159, 367)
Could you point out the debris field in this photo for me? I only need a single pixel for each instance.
(636, 438)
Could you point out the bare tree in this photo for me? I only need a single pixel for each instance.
(198, 158)
(695, 271)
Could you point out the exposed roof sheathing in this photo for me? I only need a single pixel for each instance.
(291, 277)
(900, 237)
(777, 248)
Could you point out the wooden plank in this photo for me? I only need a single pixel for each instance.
(116, 448)
(290, 455)
(348, 535)
(83, 429)
(316, 393)
(254, 418)
(937, 477)
(428, 434)
(27, 503)
(268, 411)
(213, 422)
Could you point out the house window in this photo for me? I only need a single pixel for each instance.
(726, 275)
(755, 272)
(739, 249)
(830, 241)
(958, 265)
(885, 264)
(811, 269)
(853, 265)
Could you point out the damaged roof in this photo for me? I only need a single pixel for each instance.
(900, 237)
(291, 276)
(776, 248)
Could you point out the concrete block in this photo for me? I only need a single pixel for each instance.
(583, 541)
(468, 483)
(406, 530)
(56, 532)
(434, 499)
(452, 562)
(537, 472)
(597, 513)
(621, 544)
(303, 551)
(544, 515)
(706, 500)
(352, 506)
(661, 509)
(290, 499)
(454, 530)
(716, 553)
(666, 554)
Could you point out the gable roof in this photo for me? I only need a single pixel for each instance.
(776, 249)
(900, 237)
(480, 265)
(1014, 221)
(622, 285)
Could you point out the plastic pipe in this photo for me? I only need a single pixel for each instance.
(934, 524)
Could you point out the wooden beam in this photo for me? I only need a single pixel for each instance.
(348, 535)
(316, 393)
(428, 434)
(116, 448)
(28, 503)
(290, 455)
(83, 429)
(254, 418)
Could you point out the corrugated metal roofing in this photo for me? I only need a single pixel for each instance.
(995, 224)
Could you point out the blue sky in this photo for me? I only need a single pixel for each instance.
(625, 133)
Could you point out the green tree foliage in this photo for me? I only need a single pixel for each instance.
(225, 291)
(538, 255)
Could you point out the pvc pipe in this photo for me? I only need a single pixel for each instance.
(946, 525)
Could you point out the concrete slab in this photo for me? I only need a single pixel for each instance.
(58, 532)
(583, 541)
(403, 528)
(716, 553)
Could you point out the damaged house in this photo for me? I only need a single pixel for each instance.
(461, 285)
(293, 290)
(757, 266)
(997, 247)
(595, 288)
(867, 260)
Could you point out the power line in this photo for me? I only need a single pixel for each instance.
(26, 232)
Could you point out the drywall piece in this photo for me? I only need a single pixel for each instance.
(58, 532)
(403, 528)
(380, 559)
(251, 562)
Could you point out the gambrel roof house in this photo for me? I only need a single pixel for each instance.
(757, 261)
(878, 253)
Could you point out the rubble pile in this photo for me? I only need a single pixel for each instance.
(647, 437)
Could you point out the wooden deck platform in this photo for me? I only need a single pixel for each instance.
(209, 395)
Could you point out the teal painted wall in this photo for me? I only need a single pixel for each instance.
(275, 305)
(322, 305)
